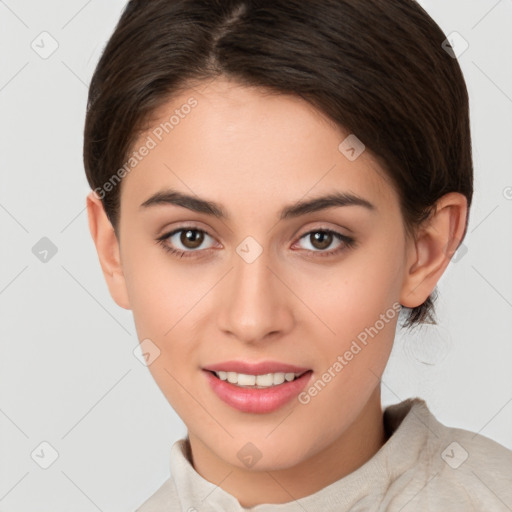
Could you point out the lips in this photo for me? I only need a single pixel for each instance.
(261, 368)
(253, 400)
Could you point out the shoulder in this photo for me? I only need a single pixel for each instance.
(165, 498)
(460, 468)
(478, 466)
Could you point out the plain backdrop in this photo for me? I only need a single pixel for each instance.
(68, 374)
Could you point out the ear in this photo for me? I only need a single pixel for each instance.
(435, 243)
(107, 247)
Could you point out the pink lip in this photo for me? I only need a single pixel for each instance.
(255, 368)
(254, 400)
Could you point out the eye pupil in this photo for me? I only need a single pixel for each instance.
(324, 238)
(193, 237)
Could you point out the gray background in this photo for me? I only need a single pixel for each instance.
(68, 373)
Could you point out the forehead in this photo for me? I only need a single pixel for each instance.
(226, 140)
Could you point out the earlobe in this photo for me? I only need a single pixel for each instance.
(431, 252)
(107, 247)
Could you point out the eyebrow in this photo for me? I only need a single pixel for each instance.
(335, 199)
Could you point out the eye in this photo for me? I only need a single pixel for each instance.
(184, 241)
(187, 240)
(322, 239)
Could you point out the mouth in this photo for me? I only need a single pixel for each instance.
(257, 394)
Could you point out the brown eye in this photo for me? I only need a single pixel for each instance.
(321, 239)
(191, 238)
(185, 241)
(322, 242)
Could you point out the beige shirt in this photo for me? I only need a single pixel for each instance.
(423, 466)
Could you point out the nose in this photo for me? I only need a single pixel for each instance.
(255, 304)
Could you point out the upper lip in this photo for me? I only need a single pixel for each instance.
(260, 368)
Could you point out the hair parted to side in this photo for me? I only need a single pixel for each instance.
(375, 67)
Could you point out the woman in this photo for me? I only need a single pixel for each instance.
(274, 182)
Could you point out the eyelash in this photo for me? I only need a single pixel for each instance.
(348, 242)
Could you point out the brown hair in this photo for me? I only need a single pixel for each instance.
(377, 68)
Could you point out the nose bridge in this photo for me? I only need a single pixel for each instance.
(256, 304)
(252, 278)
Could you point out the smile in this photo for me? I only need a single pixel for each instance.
(257, 381)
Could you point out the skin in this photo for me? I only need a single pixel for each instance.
(254, 153)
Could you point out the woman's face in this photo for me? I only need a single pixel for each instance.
(266, 281)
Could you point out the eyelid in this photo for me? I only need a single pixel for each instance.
(323, 227)
(182, 225)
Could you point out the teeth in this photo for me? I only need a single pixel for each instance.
(258, 381)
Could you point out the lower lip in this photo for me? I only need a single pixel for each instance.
(254, 400)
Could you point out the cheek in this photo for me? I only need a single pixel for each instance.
(353, 295)
(160, 291)
(166, 300)
(358, 302)
(162, 299)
